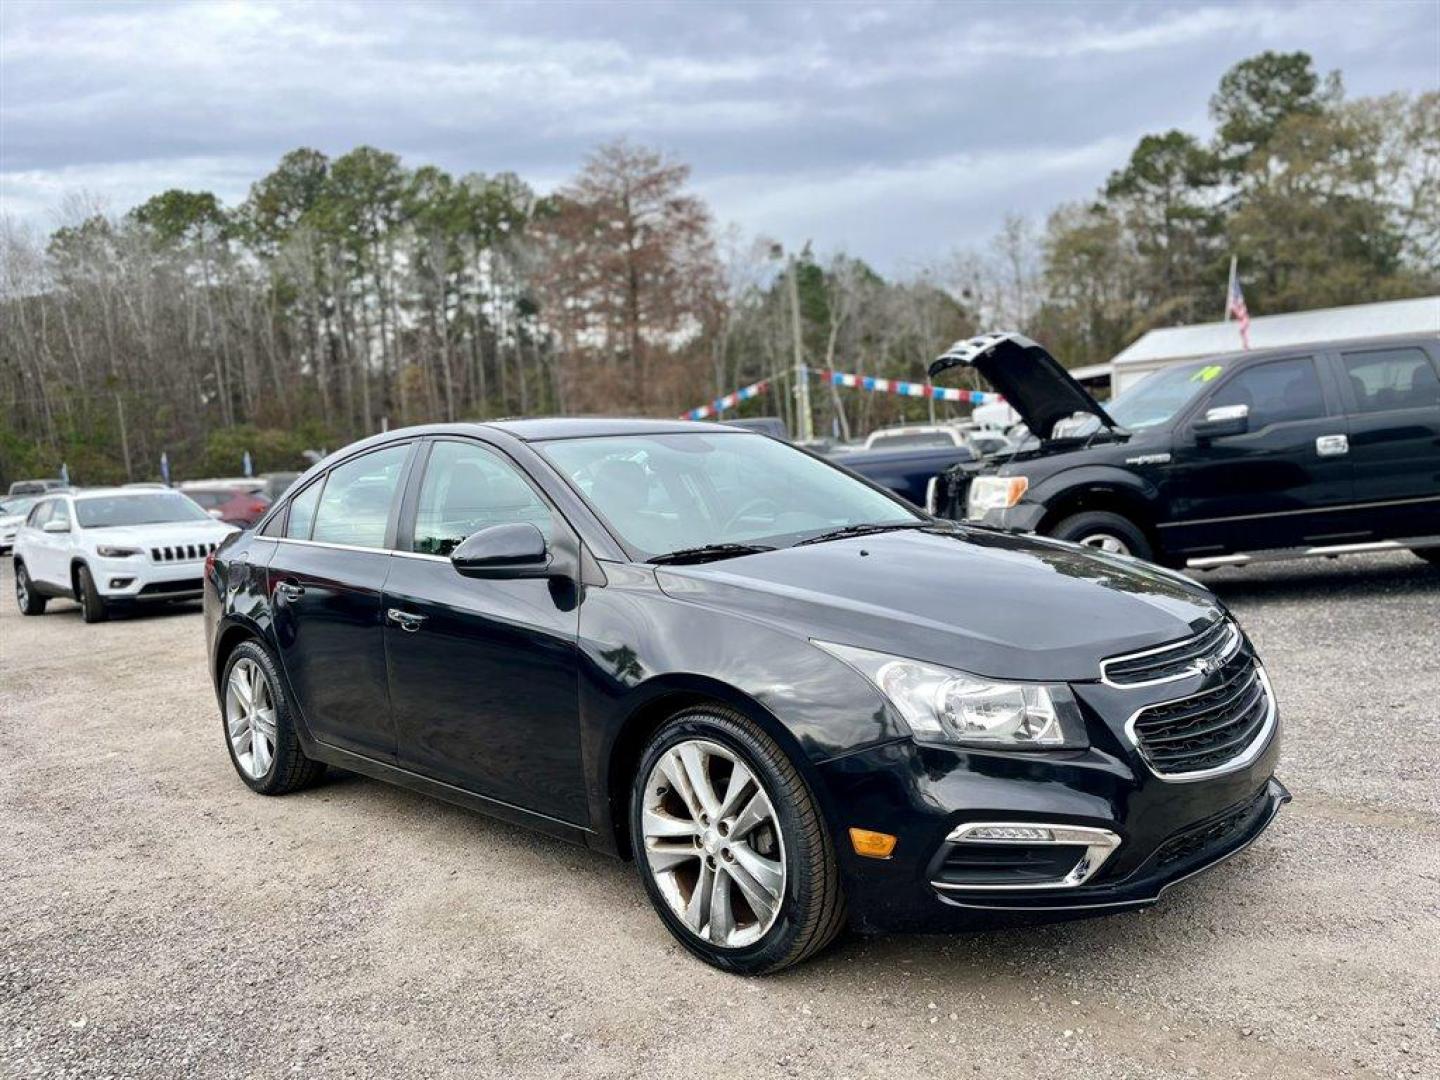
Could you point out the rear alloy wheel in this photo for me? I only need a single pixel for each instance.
(731, 845)
(1104, 531)
(29, 601)
(92, 604)
(260, 728)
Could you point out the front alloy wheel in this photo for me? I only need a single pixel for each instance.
(713, 843)
(731, 844)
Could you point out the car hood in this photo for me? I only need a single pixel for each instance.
(1032, 381)
(168, 532)
(10, 520)
(993, 604)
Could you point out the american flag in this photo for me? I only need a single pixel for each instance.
(1235, 307)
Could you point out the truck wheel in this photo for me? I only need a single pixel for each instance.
(1105, 531)
(30, 602)
(92, 605)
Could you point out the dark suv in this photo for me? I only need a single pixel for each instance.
(1281, 453)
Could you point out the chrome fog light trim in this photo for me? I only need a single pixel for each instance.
(1099, 844)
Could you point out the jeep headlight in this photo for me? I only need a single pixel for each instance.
(995, 493)
(107, 551)
(943, 705)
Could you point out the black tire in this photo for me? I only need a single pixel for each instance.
(290, 770)
(26, 598)
(92, 604)
(1429, 554)
(1093, 525)
(812, 908)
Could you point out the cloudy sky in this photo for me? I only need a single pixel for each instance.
(894, 131)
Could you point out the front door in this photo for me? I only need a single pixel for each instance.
(483, 673)
(1393, 396)
(326, 583)
(1284, 482)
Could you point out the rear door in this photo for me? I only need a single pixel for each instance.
(1393, 397)
(326, 583)
(39, 546)
(1284, 482)
(484, 674)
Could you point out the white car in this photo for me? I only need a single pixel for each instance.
(109, 547)
(12, 516)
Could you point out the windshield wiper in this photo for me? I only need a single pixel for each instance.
(707, 553)
(863, 530)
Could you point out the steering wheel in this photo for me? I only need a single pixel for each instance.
(761, 502)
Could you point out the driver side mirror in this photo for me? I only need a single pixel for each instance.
(55, 527)
(1222, 421)
(503, 552)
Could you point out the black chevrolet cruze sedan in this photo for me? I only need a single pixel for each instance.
(796, 701)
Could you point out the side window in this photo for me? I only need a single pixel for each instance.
(355, 505)
(40, 514)
(466, 488)
(60, 511)
(275, 526)
(1275, 392)
(302, 511)
(1392, 379)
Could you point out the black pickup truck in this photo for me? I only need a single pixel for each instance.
(1282, 453)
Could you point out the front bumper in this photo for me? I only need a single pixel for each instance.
(1166, 832)
(1022, 517)
(139, 580)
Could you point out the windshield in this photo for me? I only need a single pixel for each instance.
(901, 439)
(1158, 397)
(18, 506)
(156, 509)
(665, 493)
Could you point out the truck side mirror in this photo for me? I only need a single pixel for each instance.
(1222, 421)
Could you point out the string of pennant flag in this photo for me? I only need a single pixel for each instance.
(871, 383)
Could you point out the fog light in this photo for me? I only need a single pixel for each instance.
(1020, 833)
(120, 582)
(873, 845)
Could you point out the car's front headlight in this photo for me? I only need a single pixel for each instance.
(107, 551)
(995, 493)
(944, 705)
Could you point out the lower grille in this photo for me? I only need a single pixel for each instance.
(1209, 731)
(185, 585)
(1209, 835)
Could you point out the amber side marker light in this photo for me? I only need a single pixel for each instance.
(873, 845)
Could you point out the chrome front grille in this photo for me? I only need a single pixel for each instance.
(181, 552)
(1214, 731)
(1215, 645)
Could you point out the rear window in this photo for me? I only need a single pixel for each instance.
(901, 440)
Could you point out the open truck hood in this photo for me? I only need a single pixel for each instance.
(1032, 380)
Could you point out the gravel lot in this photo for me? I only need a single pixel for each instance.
(157, 919)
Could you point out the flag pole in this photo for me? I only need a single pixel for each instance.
(1230, 287)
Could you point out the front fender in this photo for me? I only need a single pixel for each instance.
(644, 654)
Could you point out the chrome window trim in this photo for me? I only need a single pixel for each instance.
(1197, 667)
(1245, 758)
(328, 544)
(1100, 844)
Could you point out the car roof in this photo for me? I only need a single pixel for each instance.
(592, 427)
(112, 492)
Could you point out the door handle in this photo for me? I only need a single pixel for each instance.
(1332, 445)
(404, 619)
(290, 590)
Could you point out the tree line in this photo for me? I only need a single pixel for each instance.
(348, 294)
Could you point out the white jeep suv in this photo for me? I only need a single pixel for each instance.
(113, 546)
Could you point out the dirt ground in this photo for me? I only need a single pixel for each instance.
(159, 920)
